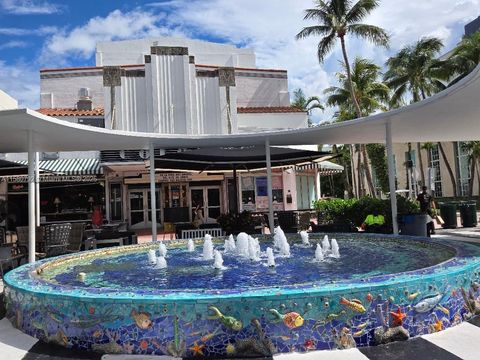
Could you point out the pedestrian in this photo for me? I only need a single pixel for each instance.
(426, 207)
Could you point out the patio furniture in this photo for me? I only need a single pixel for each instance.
(76, 237)
(56, 239)
(199, 233)
(22, 240)
(7, 257)
(287, 220)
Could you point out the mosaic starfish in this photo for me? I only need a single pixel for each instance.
(197, 349)
(398, 317)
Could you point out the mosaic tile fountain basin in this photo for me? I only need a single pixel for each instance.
(381, 289)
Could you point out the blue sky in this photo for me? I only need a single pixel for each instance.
(37, 34)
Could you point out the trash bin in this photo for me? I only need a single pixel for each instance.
(414, 225)
(468, 213)
(448, 211)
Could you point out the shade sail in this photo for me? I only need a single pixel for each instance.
(239, 158)
(451, 115)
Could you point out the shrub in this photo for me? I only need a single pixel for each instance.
(234, 223)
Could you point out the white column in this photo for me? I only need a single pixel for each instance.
(107, 200)
(31, 199)
(37, 188)
(269, 185)
(391, 175)
(318, 188)
(153, 202)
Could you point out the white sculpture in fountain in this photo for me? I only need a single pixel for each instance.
(270, 257)
(162, 249)
(152, 257)
(280, 242)
(230, 244)
(190, 245)
(161, 262)
(304, 236)
(208, 248)
(319, 253)
(325, 244)
(218, 260)
(335, 249)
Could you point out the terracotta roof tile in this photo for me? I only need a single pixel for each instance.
(71, 112)
(266, 109)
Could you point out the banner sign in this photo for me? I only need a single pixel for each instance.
(50, 178)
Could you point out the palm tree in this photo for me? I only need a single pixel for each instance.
(473, 148)
(301, 102)
(336, 19)
(465, 57)
(415, 70)
(371, 95)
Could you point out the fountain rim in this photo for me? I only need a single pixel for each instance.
(455, 264)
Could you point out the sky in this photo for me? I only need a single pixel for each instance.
(37, 34)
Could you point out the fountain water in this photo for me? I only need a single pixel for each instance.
(318, 253)
(230, 244)
(270, 257)
(152, 257)
(325, 244)
(242, 245)
(253, 249)
(161, 262)
(304, 236)
(208, 248)
(218, 260)
(335, 249)
(162, 249)
(190, 246)
(280, 242)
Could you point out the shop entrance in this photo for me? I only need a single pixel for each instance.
(207, 200)
(140, 209)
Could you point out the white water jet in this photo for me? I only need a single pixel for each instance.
(304, 236)
(162, 249)
(280, 242)
(230, 244)
(152, 257)
(161, 262)
(325, 244)
(335, 249)
(253, 249)
(190, 245)
(242, 245)
(218, 260)
(270, 257)
(208, 248)
(318, 253)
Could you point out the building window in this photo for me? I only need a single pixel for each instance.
(463, 168)
(434, 157)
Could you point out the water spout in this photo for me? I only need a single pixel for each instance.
(190, 245)
(161, 262)
(152, 257)
(242, 245)
(270, 257)
(280, 242)
(318, 253)
(208, 248)
(162, 249)
(304, 236)
(335, 249)
(230, 244)
(325, 244)
(253, 249)
(218, 260)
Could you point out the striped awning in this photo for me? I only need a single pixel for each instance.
(325, 167)
(69, 166)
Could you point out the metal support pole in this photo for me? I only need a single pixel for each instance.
(108, 202)
(31, 199)
(37, 188)
(153, 200)
(318, 184)
(391, 176)
(269, 185)
(235, 189)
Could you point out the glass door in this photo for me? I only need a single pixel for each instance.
(197, 203)
(213, 204)
(206, 200)
(137, 211)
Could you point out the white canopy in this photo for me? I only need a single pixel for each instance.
(451, 115)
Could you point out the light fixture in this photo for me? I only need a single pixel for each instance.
(57, 202)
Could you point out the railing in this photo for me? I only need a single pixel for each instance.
(199, 233)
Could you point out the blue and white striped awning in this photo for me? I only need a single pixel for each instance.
(69, 166)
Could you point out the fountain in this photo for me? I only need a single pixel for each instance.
(161, 262)
(304, 236)
(253, 249)
(190, 245)
(230, 244)
(162, 249)
(218, 260)
(325, 245)
(152, 257)
(335, 249)
(280, 242)
(270, 257)
(208, 248)
(318, 253)
(242, 245)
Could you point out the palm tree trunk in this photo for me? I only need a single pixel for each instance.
(471, 181)
(360, 175)
(368, 174)
(420, 162)
(352, 165)
(449, 168)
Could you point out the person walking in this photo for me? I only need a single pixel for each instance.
(426, 207)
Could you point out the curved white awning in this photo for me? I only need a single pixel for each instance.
(451, 115)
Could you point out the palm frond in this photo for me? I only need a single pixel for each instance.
(325, 46)
(320, 30)
(360, 10)
(372, 33)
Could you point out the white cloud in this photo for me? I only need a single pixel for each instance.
(29, 7)
(13, 44)
(41, 31)
(21, 81)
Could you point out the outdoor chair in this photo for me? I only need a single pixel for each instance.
(56, 239)
(22, 241)
(7, 258)
(76, 237)
(287, 220)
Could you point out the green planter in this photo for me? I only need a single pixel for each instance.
(448, 211)
(468, 214)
